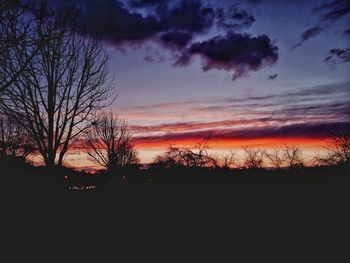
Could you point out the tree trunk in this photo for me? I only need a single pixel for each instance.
(50, 161)
(61, 155)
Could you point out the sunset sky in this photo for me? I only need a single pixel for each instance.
(250, 73)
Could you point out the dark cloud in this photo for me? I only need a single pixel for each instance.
(341, 54)
(315, 130)
(217, 126)
(175, 24)
(115, 23)
(118, 23)
(333, 10)
(234, 18)
(254, 1)
(148, 58)
(336, 56)
(186, 15)
(272, 77)
(309, 33)
(328, 5)
(240, 53)
(176, 39)
(187, 126)
(328, 13)
(146, 3)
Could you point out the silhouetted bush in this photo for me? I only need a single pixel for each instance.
(337, 150)
(186, 157)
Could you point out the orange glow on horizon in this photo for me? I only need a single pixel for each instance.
(148, 150)
(274, 142)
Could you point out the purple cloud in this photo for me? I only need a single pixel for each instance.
(309, 33)
(239, 53)
(146, 3)
(176, 39)
(234, 18)
(328, 13)
(336, 56)
(175, 25)
(315, 130)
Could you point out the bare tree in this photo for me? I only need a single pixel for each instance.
(340, 142)
(325, 158)
(16, 32)
(292, 157)
(275, 158)
(171, 158)
(109, 143)
(198, 156)
(254, 158)
(14, 141)
(337, 150)
(67, 81)
(230, 161)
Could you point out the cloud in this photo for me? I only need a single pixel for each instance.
(286, 115)
(305, 105)
(333, 10)
(146, 3)
(336, 56)
(191, 15)
(315, 130)
(115, 23)
(254, 1)
(341, 54)
(176, 26)
(240, 53)
(328, 13)
(234, 18)
(272, 77)
(309, 33)
(186, 126)
(318, 93)
(120, 23)
(176, 39)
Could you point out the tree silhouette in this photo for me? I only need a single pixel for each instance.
(16, 33)
(254, 159)
(109, 144)
(187, 157)
(275, 158)
(340, 141)
(230, 161)
(14, 140)
(63, 85)
(292, 157)
(337, 150)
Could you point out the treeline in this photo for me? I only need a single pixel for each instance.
(336, 151)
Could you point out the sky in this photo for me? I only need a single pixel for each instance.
(249, 73)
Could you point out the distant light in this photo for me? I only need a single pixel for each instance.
(65, 177)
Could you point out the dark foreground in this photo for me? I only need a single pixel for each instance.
(259, 214)
(21, 179)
